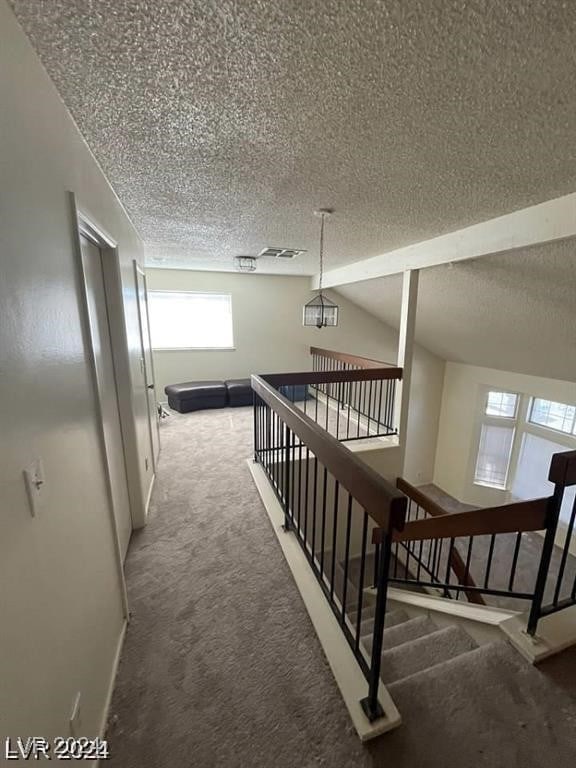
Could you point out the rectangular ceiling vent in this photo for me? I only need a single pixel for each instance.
(281, 253)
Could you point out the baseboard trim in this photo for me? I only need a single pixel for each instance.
(111, 686)
(555, 633)
(350, 680)
(149, 495)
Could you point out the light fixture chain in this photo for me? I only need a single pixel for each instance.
(321, 251)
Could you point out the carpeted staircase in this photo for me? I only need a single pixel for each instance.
(423, 663)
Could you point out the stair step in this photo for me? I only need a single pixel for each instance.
(403, 633)
(393, 618)
(424, 653)
(368, 611)
(487, 707)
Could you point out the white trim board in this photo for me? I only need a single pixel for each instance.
(344, 666)
(470, 611)
(542, 223)
(554, 634)
(111, 685)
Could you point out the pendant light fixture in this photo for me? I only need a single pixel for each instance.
(320, 311)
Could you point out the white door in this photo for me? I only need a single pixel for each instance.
(148, 363)
(102, 346)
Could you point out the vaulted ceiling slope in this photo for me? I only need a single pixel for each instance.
(222, 124)
(514, 312)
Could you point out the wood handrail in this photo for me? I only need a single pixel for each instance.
(332, 377)
(429, 505)
(344, 357)
(384, 503)
(456, 561)
(517, 517)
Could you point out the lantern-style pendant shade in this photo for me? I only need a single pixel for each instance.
(320, 312)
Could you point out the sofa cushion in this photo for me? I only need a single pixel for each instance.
(196, 395)
(194, 389)
(239, 392)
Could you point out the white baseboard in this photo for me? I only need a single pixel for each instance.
(111, 686)
(150, 489)
(554, 634)
(345, 669)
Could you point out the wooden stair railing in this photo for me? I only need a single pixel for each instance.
(515, 518)
(456, 561)
(518, 517)
(355, 361)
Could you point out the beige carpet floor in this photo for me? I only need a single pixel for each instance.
(221, 666)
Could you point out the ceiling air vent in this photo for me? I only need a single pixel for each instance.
(281, 253)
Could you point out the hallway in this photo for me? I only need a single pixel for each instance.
(221, 666)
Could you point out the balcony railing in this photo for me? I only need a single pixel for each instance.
(360, 534)
(492, 555)
(351, 397)
(332, 502)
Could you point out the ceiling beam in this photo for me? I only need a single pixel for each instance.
(542, 223)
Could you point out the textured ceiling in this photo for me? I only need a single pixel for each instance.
(222, 124)
(514, 312)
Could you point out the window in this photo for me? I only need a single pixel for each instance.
(496, 439)
(502, 404)
(494, 455)
(183, 320)
(558, 416)
(531, 476)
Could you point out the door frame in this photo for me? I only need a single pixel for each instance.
(152, 417)
(83, 226)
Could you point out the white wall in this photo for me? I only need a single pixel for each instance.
(269, 337)
(464, 387)
(61, 611)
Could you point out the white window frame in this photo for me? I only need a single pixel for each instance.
(198, 349)
(522, 426)
(486, 419)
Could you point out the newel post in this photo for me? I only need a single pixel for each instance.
(562, 473)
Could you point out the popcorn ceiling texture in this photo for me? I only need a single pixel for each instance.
(514, 311)
(222, 124)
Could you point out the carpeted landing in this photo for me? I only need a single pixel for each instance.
(221, 665)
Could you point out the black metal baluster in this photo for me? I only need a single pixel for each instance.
(314, 506)
(287, 438)
(359, 396)
(515, 560)
(361, 581)
(380, 407)
(307, 499)
(299, 485)
(369, 409)
(255, 417)
(334, 536)
(376, 562)
(467, 566)
(489, 560)
(370, 704)
(449, 562)
(346, 557)
(323, 529)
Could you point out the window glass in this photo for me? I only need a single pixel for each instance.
(531, 475)
(501, 404)
(557, 416)
(182, 320)
(494, 455)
